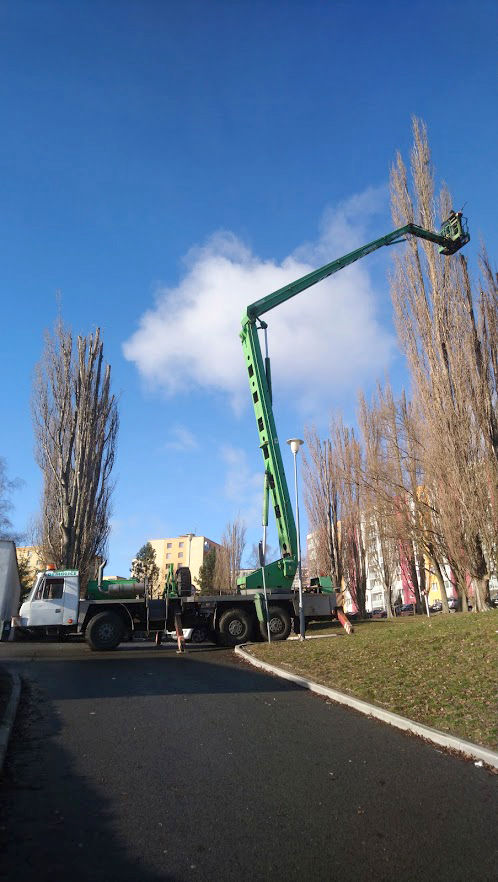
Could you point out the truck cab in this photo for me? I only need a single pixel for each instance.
(52, 605)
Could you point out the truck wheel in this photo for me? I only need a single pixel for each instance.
(104, 631)
(280, 624)
(234, 627)
(199, 634)
(184, 581)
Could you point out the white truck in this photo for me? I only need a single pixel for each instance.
(113, 610)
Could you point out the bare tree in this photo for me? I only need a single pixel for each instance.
(380, 502)
(229, 556)
(401, 481)
(420, 540)
(452, 357)
(253, 559)
(76, 421)
(221, 575)
(404, 497)
(321, 496)
(7, 487)
(352, 533)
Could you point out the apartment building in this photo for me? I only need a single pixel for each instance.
(188, 550)
(32, 557)
(374, 594)
(402, 587)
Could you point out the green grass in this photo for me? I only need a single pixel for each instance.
(440, 671)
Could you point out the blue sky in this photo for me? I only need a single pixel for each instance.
(166, 163)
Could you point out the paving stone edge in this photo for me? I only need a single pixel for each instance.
(451, 742)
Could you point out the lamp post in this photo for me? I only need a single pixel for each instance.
(295, 444)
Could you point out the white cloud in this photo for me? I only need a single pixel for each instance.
(328, 338)
(242, 486)
(240, 481)
(181, 439)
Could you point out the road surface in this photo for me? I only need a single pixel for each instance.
(144, 765)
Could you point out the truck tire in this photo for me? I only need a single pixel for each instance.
(234, 627)
(104, 631)
(280, 624)
(199, 634)
(184, 581)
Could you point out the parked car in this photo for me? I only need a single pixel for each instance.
(436, 606)
(378, 614)
(199, 634)
(494, 601)
(453, 603)
(408, 609)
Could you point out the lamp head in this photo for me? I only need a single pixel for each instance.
(295, 444)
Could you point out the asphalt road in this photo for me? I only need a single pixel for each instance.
(143, 765)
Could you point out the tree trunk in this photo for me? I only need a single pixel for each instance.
(440, 581)
(481, 594)
(388, 601)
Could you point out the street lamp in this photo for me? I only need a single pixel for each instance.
(295, 444)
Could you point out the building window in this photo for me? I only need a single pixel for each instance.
(180, 554)
(180, 545)
(169, 544)
(168, 557)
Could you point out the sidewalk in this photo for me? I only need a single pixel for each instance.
(480, 755)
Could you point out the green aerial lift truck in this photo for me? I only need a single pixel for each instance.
(266, 603)
(277, 577)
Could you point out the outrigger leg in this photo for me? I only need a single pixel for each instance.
(343, 619)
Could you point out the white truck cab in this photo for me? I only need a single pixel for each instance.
(52, 602)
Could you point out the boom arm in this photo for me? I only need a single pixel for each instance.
(280, 574)
(447, 246)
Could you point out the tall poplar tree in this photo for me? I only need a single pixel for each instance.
(75, 418)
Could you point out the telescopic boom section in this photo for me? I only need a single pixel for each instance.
(280, 574)
(452, 237)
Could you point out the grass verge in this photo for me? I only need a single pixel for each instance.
(440, 671)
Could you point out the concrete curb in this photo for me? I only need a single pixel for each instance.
(9, 716)
(472, 751)
(315, 636)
